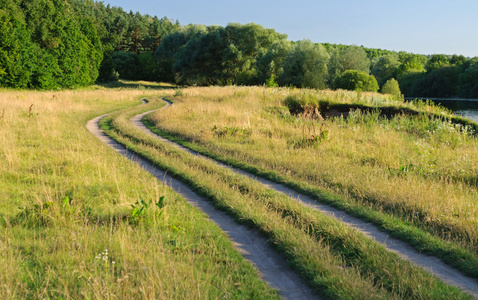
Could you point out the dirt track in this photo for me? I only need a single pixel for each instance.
(272, 266)
(431, 264)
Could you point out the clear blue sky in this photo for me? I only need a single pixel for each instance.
(418, 26)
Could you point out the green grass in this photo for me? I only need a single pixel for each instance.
(67, 227)
(335, 259)
(415, 180)
(451, 253)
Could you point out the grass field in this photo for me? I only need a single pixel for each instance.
(414, 176)
(80, 221)
(77, 220)
(336, 260)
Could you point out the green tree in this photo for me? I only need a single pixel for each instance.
(356, 81)
(354, 58)
(468, 82)
(200, 60)
(410, 63)
(126, 32)
(171, 48)
(271, 63)
(247, 43)
(411, 83)
(157, 29)
(16, 61)
(334, 66)
(46, 44)
(385, 68)
(95, 54)
(305, 66)
(436, 61)
(127, 65)
(442, 82)
(147, 67)
(391, 87)
(439, 83)
(457, 60)
(219, 55)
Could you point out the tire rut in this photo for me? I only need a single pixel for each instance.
(271, 265)
(431, 264)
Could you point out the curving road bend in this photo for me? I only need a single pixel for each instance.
(271, 265)
(431, 264)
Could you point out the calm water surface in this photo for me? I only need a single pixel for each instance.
(463, 107)
(466, 108)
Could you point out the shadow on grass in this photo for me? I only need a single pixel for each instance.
(146, 85)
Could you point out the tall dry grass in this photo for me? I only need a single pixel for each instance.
(423, 171)
(337, 261)
(65, 212)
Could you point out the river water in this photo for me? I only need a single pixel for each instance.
(463, 107)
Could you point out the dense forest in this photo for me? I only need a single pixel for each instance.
(47, 44)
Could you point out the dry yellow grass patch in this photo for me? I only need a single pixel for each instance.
(427, 176)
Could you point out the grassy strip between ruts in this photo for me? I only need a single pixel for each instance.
(416, 168)
(336, 260)
(459, 257)
(415, 232)
(67, 228)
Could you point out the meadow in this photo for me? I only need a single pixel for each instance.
(414, 175)
(77, 220)
(336, 260)
(80, 221)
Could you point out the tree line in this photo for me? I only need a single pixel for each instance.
(46, 44)
(128, 39)
(49, 44)
(43, 44)
(252, 55)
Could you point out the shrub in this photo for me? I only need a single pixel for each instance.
(356, 81)
(391, 87)
(271, 82)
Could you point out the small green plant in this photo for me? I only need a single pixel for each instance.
(141, 210)
(230, 131)
(178, 93)
(66, 202)
(271, 82)
(45, 214)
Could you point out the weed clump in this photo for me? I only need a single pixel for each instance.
(231, 131)
(310, 136)
(178, 93)
(47, 213)
(144, 212)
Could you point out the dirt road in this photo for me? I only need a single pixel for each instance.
(431, 264)
(271, 265)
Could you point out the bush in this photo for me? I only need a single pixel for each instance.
(271, 82)
(356, 81)
(391, 87)
(248, 77)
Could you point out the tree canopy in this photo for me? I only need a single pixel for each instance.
(305, 66)
(48, 44)
(356, 81)
(45, 45)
